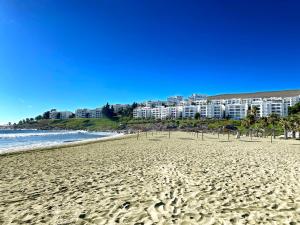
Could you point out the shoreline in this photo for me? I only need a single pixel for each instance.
(63, 145)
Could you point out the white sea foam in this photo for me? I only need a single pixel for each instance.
(18, 135)
(16, 148)
(45, 144)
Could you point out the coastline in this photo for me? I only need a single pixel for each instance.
(63, 145)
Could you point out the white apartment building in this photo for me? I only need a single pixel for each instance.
(82, 113)
(60, 114)
(174, 112)
(118, 107)
(197, 97)
(235, 106)
(53, 114)
(236, 111)
(200, 102)
(65, 115)
(95, 113)
(189, 111)
(202, 109)
(159, 112)
(290, 102)
(184, 103)
(142, 112)
(233, 101)
(267, 106)
(154, 104)
(215, 111)
(174, 100)
(88, 113)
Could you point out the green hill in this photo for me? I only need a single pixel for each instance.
(73, 124)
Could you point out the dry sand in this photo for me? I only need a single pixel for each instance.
(155, 180)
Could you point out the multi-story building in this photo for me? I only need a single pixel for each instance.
(54, 114)
(200, 102)
(142, 112)
(160, 112)
(290, 102)
(174, 100)
(82, 113)
(266, 103)
(118, 107)
(89, 113)
(235, 106)
(236, 110)
(189, 111)
(95, 113)
(174, 112)
(215, 111)
(65, 115)
(184, 103)
(197, 97)
(202, 110)
(154, 104)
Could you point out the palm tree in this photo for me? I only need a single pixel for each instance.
(285, 123)
(254, 111)
(273, 119)
(197, 116)
(264, 123)
(251, 119)
(294, 124)
(298, 125)
(248, 122)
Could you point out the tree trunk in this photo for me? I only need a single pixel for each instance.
(285, 134)
(293, 134)
(238, 135)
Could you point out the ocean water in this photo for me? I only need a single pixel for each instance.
(12, 140)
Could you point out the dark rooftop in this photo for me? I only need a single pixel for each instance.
(265, 94)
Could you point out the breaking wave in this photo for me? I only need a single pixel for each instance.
(36, 134)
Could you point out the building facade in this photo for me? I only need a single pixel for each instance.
(118, 107)
(174, 100)
(54, 114)
(65, 115)
(234, 108)
(95, 113)
(189, 111)
(197, 97)
(89, 113)
(236, 111)
(82, 113)
(142, 112)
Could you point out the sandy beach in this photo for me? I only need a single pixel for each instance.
(154, 180)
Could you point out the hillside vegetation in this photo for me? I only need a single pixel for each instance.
(72, 124)
(249, 125)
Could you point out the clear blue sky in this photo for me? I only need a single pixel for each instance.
(68, 54)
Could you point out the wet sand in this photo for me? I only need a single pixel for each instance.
(154, 180)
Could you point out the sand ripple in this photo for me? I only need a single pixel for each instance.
(154, 180)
